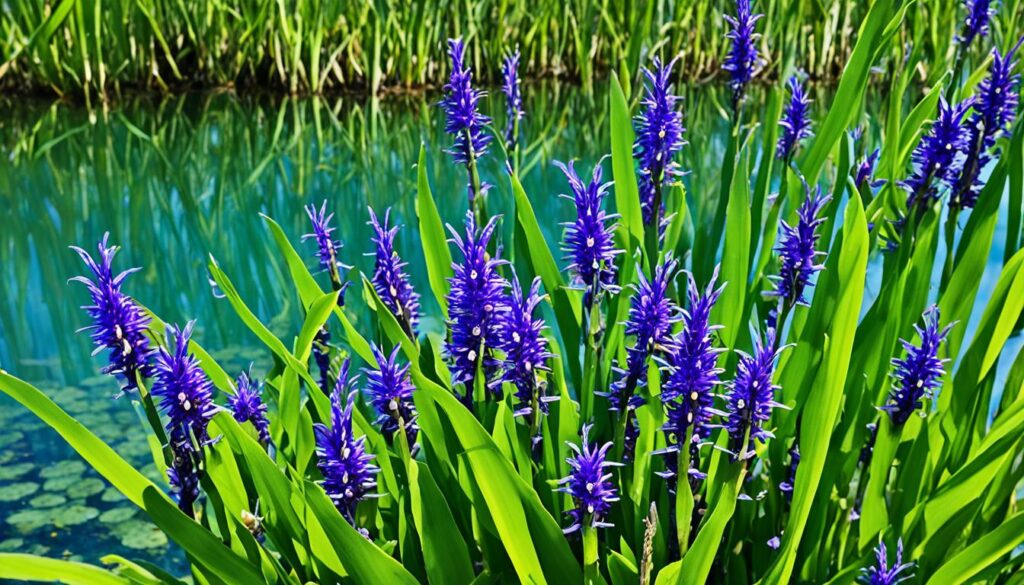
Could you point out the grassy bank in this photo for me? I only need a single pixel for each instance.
(107, 47)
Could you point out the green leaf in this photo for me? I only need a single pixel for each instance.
(444, 550)
(988, 549)
(198, 542)
(627, 194)
(729, 310)
(432, 234)
(823, 405)
(22, 567)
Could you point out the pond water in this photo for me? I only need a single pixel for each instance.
(178, 180)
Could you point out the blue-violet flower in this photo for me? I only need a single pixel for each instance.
(476, 303)
(589, 240)
(798, 259)
(659, 137)
(919, 373)
(349, 475)
(795, 122)
(526, 350)
(513, 99)
(183, 391)
(743, 62)
(882, 573)
(751, 397)
(464, 120)
(390, 393)
(589, 484)
(327, 247)
(389, 277)
(979, 14)
(247, 405)
(938, 156)
(118, 323)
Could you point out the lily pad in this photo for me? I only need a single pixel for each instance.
(137, 534)
(10, 438)
(15, 470)
(117, 515)
(59, 484)
(12, 545)
(18, 491)
(48, 501)
(111, 495)
(74, 515)
(63, 469)
(85, 488)
(30, 520)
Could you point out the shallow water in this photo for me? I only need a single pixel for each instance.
(178, 180)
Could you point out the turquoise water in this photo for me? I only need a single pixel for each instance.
(177, 180)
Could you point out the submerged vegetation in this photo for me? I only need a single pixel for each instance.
(704, 388)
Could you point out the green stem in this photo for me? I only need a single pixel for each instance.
(591, 569)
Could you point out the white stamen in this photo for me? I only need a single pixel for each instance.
(471, 355)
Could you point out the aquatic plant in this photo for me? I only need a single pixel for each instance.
(118, 324)
(793, 471)
(659, 137)
(389, 278)
(465, 122)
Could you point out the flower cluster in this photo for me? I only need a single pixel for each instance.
(919, 373)
(476, 303)
(513, 99)
(327, 247)
(389, 277)
(659, 137)
(461, 106)
(795, 122)
(390, 393)
(979, 14)
(185, 396)
(349, 475)
(743, 62)
(995, 107)
(937, 156)
(184, 392)
(118, 323)
(526, 349)
(882, 573)
(866, 170)
(798, 259)
(247, 405)
(691, 374)
(589, 241)
(589, 484)
(651, 315)
(751, 397)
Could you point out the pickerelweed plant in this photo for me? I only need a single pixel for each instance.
(773, 402)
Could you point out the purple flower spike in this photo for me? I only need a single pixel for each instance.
(513, 99)
(461, 106)
(589, 484)
(118, 324)
(650, 319)
(327, 247)
(390, 393)
(798, 260)
(979, 14)
(691, 374)
(787, 486)
(389, 277)
(751, 396)
(349, 475)
(476, 303)
(184, 475)
(937, 156)
(920, 372)
(526, 349)
(659, 137)
(866, 170)
(795, 122)
(882, 573)
(589, 240)
(247, 405)
(183, 391)
(994, 110)
(743, 62)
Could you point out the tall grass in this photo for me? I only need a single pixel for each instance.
(107, 47)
